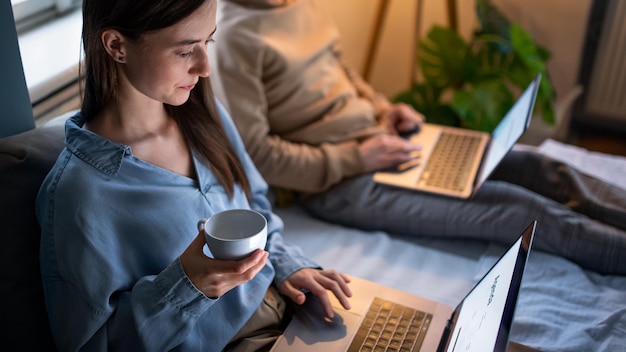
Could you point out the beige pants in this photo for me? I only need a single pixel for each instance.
(263, 328)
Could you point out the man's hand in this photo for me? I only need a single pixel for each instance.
(402, 118)
(384, 151)
(318, 282)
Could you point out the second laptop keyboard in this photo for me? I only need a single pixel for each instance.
(450, 162)
(389, 326)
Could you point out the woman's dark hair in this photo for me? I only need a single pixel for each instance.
(197, 118)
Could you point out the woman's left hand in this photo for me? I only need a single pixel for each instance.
(318, 282)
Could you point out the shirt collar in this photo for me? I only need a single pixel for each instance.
(99, 152)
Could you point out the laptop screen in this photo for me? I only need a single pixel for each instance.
(483, 319)
(509, 130)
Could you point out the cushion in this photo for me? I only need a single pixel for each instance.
(25, 159)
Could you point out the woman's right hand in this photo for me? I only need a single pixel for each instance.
(215, 277)
(384, 150)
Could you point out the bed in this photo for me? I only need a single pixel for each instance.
(561, 307)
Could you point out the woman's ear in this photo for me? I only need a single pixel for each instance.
(114, 44)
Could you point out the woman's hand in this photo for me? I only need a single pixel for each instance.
(215, 277)
(318, 282)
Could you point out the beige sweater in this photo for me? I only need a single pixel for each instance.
(301, 113)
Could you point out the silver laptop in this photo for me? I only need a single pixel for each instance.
(386, 319)
(456, 161)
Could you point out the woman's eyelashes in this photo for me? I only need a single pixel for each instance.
(187, 54)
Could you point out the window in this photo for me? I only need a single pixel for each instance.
(25, 9)
(54, 28)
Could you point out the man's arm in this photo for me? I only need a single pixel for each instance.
(379, 101)
(238, 70)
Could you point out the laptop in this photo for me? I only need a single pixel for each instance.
(385, 319)
(456, 161)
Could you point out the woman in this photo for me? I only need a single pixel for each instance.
(148, 155)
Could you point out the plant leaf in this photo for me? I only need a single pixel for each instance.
(525, 48)
(473, 84)
(443, 58)
(426, 99)
(421, 96)
(482, 106)
(492, 63)
(492, 21)
(443, 115)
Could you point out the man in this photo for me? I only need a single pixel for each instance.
(315, 128)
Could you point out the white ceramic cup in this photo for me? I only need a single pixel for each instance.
(234, 234)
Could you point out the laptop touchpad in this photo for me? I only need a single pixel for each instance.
(310, 331)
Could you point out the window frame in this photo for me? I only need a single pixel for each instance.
(27, 9)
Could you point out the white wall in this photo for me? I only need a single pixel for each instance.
(559, 25)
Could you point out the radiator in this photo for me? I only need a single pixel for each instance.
(606, 88)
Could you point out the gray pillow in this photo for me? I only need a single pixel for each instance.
(25, 159)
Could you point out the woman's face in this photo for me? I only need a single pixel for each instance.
(165, 65)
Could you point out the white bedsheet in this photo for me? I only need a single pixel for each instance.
(560, 308)
(439, 270)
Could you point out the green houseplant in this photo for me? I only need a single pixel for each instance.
(473, 84)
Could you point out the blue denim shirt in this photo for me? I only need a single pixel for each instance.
(113, 227)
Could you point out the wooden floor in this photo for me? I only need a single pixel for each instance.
(599, 139)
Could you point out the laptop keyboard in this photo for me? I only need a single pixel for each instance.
(449, 164)
(390, 326)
